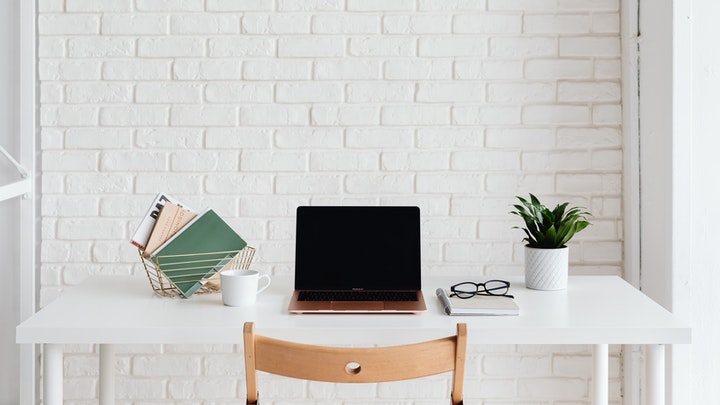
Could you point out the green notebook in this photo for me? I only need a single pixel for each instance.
(198, 251)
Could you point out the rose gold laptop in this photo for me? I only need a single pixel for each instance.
(357, 260)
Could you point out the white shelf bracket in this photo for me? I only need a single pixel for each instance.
(16, 188)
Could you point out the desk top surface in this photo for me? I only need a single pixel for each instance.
(124, 310)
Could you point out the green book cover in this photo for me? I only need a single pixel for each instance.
(198, 251)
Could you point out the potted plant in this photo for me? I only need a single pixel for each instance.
(547, 233)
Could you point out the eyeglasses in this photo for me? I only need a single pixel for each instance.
(468, 289)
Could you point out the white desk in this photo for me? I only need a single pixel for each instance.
(107, 310)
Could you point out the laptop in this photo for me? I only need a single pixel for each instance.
(357, 260)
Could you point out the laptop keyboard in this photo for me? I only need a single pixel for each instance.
(357, 296)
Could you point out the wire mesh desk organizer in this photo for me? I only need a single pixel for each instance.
(183, 251)
(170, 274)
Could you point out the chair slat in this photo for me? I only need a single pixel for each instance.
(355, 365)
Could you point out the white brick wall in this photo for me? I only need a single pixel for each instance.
(254, 107)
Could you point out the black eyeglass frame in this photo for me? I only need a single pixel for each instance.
(462, 294)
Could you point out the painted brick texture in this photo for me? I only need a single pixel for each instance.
(255, 107)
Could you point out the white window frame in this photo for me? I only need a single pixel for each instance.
(657, 62)
(28, 205)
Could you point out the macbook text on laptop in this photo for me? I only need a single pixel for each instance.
(357, 260)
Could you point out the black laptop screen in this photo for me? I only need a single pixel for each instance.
(371, 248)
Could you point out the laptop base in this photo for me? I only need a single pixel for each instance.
(357, 307)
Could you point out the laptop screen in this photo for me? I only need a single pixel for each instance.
(371, 248)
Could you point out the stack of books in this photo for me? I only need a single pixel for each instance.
(187, 247)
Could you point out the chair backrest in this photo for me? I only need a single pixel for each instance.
(354, 365)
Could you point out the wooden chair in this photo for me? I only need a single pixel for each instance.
(354, 365)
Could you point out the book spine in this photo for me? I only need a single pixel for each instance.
(196, 218)
(171, 219)
(142, 233)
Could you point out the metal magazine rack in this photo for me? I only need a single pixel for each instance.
(162, 270)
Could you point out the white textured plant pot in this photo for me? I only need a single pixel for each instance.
(546, 269)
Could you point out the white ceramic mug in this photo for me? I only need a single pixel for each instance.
(240, 287)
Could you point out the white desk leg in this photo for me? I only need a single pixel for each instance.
(52, 374)
(600, 374)
(107, 374)
(655, 374)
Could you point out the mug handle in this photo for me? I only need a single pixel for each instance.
(264, 276)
